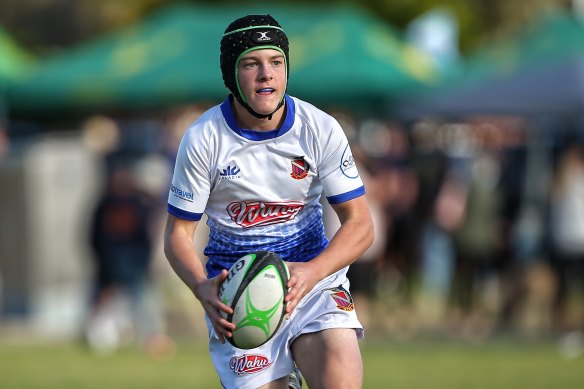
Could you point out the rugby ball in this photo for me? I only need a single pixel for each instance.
(255, 288)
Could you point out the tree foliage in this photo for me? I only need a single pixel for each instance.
(479, 21)
(65, 22)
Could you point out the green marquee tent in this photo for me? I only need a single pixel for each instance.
(556, 34)
(538, 72)
(338, 56)
(15, 62)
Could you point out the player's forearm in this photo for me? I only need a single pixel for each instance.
(351, 240)
(182, 256)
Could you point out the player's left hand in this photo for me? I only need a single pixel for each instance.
(303, 277)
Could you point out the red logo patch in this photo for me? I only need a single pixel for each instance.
(259, 213)
(342, 298)
(249, 363)
(299, 168)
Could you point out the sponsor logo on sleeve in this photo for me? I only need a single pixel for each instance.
(182, 194)
(348, 165)
(249, 363)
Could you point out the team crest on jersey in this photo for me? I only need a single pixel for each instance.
(342, 297)
(299, 168)
(249, 363)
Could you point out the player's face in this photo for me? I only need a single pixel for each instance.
(262, 79)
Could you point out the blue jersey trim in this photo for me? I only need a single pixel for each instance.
(259, 135)
(182, 214)
(219, 261)
(346, 196)
(302, 244)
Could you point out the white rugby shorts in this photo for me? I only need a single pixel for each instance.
(328, 305)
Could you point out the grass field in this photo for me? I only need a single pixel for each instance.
(438, 364)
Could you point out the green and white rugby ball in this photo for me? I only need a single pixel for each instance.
(255, 290)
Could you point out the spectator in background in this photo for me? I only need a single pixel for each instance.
(122, 247)
(437, 249)
(123, 304)
(476, 238)
(567, 239)
(478, 242)
(399, 184)
(4, 142)
(437, 214)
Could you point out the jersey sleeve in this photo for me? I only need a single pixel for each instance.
(338, 171)
(191, 181)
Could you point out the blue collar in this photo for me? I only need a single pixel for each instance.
(259, 135)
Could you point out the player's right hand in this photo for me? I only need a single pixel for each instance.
(207, 293)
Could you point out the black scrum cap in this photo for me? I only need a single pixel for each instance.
(251, 32)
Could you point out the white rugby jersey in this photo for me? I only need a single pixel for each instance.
(261, 190)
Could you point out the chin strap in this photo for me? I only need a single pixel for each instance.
(259, 115)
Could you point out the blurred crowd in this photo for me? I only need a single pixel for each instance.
(479, 229)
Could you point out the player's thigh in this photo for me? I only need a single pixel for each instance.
(281, 383)
(329, 359)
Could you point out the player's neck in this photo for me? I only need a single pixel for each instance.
(246, 120)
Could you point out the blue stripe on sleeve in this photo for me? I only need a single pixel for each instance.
(182, 214)
(346, 196)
